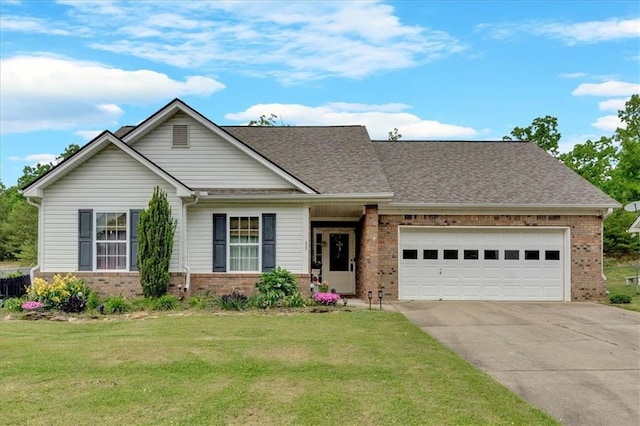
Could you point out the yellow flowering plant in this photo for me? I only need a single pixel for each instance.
(66, 293)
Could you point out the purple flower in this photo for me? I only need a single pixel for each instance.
(32, 305)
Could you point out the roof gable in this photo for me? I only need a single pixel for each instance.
(36, 188)
(131, 136)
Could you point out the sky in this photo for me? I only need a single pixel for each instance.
(435, 70)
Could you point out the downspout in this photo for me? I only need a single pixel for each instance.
(32, 271)
(185, 257)
(606, 214)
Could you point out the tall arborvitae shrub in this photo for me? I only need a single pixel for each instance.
(156, 228)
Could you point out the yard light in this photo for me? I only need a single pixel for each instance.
(344, 300)
(370, 296)
(380, 294)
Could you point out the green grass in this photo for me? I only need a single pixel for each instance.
(616, 284)
(360, 367)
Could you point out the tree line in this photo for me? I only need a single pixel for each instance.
(611, 163)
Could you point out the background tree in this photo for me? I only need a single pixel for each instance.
(594, 161)
(264, 121)
(543, 131)
(394, 135)
(156, 229)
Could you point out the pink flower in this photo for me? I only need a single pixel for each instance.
(326, 298)
(32, 305)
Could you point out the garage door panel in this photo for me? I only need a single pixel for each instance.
(482, 264)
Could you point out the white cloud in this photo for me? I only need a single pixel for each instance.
(87, 135)
(607, 88)
(612, 104)
(36, 159)
(44, 92)
(570, 32)
(290, 41)
(573, 75)
(607, 123)
(379, 119)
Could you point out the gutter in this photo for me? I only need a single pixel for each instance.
(374, 197)
(33, 270)
(184, 232)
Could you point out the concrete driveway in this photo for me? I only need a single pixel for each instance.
(579, 362)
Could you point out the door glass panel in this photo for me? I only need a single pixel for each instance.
(430, 254)
(450, 254)
(408, 254)
(471, 254)
(512, 254)
(531, 255)
(552, 255)
(491, 255)
(338, 252)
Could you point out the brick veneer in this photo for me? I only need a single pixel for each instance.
(367, 272)
(587, 282)
(128, 283)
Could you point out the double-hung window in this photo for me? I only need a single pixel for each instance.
(244, 243)
(111, 240)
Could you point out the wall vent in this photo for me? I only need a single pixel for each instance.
(180, 136)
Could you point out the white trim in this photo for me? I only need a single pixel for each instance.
(566, 235)
(177, 105)
(365, 198)
(506, 210)
(126, 241)
(259, 243)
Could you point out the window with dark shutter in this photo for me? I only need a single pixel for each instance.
(85, 240)
(219, 243)
(268, 242)
(134, 216)
(180, 136)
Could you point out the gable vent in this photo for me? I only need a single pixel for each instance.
(180, 136)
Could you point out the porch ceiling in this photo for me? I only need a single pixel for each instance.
(344, 211)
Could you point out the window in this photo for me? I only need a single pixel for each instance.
(450, 254)
(244, 243)
(409, 254)
(531, 255)
(430, 254)
(111, 241)
(471, 255)
(511, 254)
(491, 254)
(552, 255)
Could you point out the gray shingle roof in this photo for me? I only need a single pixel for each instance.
(330, 159)
(511, 173)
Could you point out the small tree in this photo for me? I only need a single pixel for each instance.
(394, 135)
(156, 229)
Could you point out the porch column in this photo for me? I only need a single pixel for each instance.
(369, 262)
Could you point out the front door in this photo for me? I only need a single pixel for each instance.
(338, 260)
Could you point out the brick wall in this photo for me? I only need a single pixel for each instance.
(586, 246)
(128, 283)
(367, 271)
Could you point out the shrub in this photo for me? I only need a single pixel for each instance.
(156, 229)
(168, 302)
(295, 301)
(15, 274)
(66, 293)
(116, 305)
(279, 280)
(13, 304)
(326, 298)
(232, 302)
(93, 301)
(619, 299)
(198, 301)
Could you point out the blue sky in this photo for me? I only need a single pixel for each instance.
(433, 69)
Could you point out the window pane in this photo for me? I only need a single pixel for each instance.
(491, 254)
(244, 238)
(450, 254)
(512, 254)
(430, 254)
(552, 255)
(531, 255)
(471, 254)
(111, 237)
(409, 254)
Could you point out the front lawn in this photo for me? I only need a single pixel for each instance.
(360, 367)
(616, 274)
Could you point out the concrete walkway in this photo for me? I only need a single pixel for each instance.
(579, 362)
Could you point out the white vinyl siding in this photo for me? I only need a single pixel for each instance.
(111, 181)
(208, 162)
(291, 234)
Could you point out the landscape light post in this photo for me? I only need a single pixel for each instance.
(370, 296)
(380, 294)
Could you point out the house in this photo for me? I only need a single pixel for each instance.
(454, 220)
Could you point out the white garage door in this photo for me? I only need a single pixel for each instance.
(481, 264)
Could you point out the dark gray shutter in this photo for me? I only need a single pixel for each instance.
(268, 242)
(85, 240)
(219, 243)
(134, 216)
